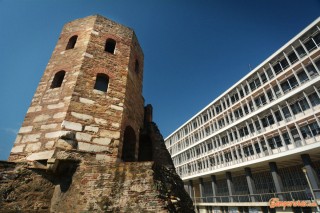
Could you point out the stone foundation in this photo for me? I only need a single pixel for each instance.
(93, 185)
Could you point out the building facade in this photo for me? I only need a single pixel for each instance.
(250, 144)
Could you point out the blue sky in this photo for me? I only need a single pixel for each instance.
(194, 49)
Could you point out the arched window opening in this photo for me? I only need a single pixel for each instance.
(110, 46)
(57, 79)
(129, 145)
(72, 42)
(102, 82)
(137, 67)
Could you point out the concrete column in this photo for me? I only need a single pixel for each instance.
(291, 138)
(254, 126)
(191, 189)
(300, 134)
(290, 110)
(242, 153)
(232, 154)
(265, 94)
(247, 103)
(267, 145)
(282, 140)
(214, 187)
(261, 148)
(254, 149)
(250, 182)
(237, 153)
(230, 186)
(273, 92)
(201, 188)
(312, 175)
(276, 179)
(228, 136)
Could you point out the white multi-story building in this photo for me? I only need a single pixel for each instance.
(251, 143)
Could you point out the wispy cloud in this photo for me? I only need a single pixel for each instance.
(10, 131)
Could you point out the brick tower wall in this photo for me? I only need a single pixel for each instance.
(74, 115)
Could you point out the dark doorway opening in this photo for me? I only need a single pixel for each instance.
(129, 145)
(145, 148)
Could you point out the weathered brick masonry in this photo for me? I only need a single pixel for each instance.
(86, 129)
(75, 115)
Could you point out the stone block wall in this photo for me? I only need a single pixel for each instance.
(92, 184)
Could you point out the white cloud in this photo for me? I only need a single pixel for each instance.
(10, 131)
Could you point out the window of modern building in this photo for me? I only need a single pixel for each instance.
(72, 42)
(257, 147)
(195, 125)
(311, 70)
(278, 141)
(286, 138)
(246, 109)
(277, 68)
(264, 122)
(285, 86)
(289, 84)
(269, 73)
(303, 103)
(263, 77)
(271, 143)
(286, 112)
(224, 105)
(305, 131)
(270, 119)
(260, 100)
(302, 76)
(310, 45)
(254, 83)
(102, 81)
(58, 79)
(301, 51)
(257, 124)
(292, 57)
(315, 129)
(251, 127)
(241, 94)
(318, 64)
(316, 38)
(284, 63)
(278, 116)
(246, 89)
(218, 108)
(295, 135)
(277, 91)
(293, 82)
(270, 95)
(295, 108)
(110, 46)
(314, 99)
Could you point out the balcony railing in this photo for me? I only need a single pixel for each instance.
(265, 197)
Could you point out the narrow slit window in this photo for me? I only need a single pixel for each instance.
(137, 67)
(110, 46)
(102, 82)
(57, 79)
(72, 42)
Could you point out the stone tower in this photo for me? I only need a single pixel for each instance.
(89, 97)
(87, 143)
